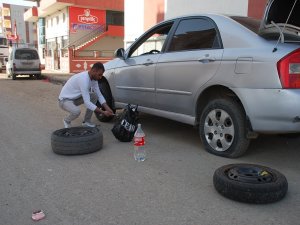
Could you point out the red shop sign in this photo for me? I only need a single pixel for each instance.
(86, 16)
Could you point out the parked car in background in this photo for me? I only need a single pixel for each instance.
(23, 61)
(233, 77)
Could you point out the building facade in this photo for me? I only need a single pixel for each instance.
(13, 30)
(75, 34)
(140, 15)
(12, 23)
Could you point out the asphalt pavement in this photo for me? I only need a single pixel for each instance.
(172, 187)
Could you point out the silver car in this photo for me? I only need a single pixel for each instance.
(233, 77)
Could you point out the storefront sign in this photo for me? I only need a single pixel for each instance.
(77, 26)
(86, 19)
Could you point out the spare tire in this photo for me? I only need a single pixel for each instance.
(107, 94)
(250, 183)
(76, 140)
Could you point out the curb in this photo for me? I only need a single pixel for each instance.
(57, 79)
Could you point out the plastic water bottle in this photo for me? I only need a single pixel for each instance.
(139, 144)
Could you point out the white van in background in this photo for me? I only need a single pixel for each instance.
(23, 61)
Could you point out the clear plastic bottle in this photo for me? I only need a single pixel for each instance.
(139, 144)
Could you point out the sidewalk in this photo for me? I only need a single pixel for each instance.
(56, 76)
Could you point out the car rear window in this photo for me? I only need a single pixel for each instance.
(26, 54)
(280, 11)
(251, 23)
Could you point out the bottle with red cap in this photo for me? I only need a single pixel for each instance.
(139, 144)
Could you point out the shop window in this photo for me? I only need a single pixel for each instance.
(42, 39)
(115, 18)
(65, 42)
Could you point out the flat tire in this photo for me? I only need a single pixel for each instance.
(76, 140)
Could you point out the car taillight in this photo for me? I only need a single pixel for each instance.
(289, 70)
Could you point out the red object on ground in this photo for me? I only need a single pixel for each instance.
(38, 215)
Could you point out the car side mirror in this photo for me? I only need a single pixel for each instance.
(120, 53)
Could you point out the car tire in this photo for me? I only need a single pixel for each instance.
(250, 183)
(76, 140)
(225, 138)
(107, 94)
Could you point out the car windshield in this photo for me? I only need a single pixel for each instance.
(251, 23)
(26, 54)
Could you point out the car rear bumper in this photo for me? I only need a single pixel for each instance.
(272, 110)
(24, 72)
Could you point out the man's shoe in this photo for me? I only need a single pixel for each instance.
(88, 124)
(66, 124)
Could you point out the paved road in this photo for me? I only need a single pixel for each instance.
(172, 187)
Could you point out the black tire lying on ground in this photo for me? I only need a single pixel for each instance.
(250, 183)
(76, 140)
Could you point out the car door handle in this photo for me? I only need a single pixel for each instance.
(148, 63)
(207, 59)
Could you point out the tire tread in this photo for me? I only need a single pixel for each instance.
(77, 145)
(248, 192)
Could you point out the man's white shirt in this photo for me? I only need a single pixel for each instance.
(80, 85)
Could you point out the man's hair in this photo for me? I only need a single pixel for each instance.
(98, 66)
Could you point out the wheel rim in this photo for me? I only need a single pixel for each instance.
(250, 174)
(76, 133)
(219, 130)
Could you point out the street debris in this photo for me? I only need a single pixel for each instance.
(38, 215)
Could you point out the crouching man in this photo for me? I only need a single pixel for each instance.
(82, 88)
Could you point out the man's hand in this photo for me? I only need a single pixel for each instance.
(107, 112)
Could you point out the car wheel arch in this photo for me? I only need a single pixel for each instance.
(213, 92)
(109, 75)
